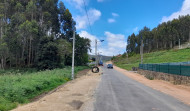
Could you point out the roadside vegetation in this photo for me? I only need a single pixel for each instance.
(166, 35)
(165, 56)
(37, 34)
(159, 44)
(19, 87)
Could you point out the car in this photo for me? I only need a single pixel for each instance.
(110, 66)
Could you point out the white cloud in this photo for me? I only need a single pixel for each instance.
(135, 29)
(115, 40)
(116, 44)
(183, 11)
(85, 34)
(78, 4)
(100, 0)
(82, 21)
(92, 39)
(113, 44)
(111, 20)
(115, 15)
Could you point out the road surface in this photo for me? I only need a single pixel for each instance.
(117, 92)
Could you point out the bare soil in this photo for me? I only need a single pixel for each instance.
(179, 92)
(76, 95)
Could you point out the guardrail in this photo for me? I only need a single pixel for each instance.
(182, 69)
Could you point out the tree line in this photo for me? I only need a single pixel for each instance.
(37, 33)
(165, 36)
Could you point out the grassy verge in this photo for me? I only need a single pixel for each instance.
(20, 88)
(154, 57)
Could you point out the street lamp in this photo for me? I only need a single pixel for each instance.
(73, 56)
(99, 56)
(96, 41)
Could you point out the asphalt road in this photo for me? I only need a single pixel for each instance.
(117, 92)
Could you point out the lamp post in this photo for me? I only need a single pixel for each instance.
(141, 50)
(99, 56)
(96, 41)
(73, 56)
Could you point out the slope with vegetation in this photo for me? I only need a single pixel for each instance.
(159, 44)
(173, 55)
(165, 36)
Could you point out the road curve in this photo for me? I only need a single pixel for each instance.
(117, 92)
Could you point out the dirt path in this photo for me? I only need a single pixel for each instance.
(76, 95)
(179, 92)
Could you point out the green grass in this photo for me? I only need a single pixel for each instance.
(17, 88)
(18, 71)
(166, 56)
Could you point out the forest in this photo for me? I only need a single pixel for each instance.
(165, 36)
(37, 34)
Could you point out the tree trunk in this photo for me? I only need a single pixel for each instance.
(29, 56)
(23, 50)
(164, 45)
(189, 36)
(171, 44)
(1, 25)
(16, 61)
(2, 63)
(10, 62)
(32, 55)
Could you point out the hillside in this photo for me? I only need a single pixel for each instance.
(104, 58)
(173, 55)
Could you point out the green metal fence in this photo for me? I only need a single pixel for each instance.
(183, 70)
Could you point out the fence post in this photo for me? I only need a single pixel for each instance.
(180, 69)
(146, 66)
(168, 68)
(152, 67)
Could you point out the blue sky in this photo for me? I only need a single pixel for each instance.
(115, 20)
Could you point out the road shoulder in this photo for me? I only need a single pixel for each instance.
(77, 95)
(180, 92)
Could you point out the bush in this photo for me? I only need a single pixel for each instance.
(21, 88)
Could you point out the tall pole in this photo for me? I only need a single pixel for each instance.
(179, 43)
(142, 52)
(189, 40)
(189, 36)
(96, 52)
(73, 57)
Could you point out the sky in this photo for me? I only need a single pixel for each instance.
(114, 20)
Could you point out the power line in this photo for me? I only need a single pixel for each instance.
(87, 16)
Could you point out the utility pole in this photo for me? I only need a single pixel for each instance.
(96, 52)
(141, 50)
(73, 57)
(189, 40)
(99, 56)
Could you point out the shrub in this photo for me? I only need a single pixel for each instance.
(21, 88)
